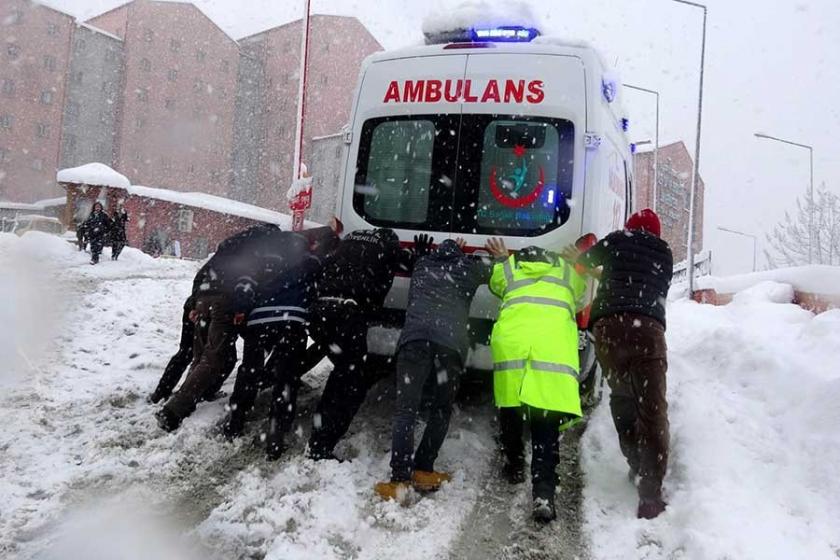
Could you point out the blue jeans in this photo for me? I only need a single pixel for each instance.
(423, 367)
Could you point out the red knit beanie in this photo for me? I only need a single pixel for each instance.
(646, 220)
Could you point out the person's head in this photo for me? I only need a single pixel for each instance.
(451, 247)
(97, 207)
(645, 220)
(322, 241)
(535, 254)
(387, 235)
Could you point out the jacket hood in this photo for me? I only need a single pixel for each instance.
(448, 250)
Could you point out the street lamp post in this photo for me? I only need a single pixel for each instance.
(695, 180)
(754, 238)
(656, 146)
(810, 188)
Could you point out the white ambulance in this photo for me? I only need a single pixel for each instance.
(496, 133)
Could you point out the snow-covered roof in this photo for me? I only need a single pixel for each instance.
(479, 13)
(817, 279)
(217, 204)
(97, 174)
(48, 202)
(6, 205)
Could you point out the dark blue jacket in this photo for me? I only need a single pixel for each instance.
(442, 288)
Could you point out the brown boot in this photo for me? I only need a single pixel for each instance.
(396, 491)
(650, 508)
(429, 481)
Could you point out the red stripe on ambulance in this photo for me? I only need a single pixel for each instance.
(464, 91)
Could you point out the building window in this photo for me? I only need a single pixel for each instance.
(169, 104)
(174, 45)
(13, 50)
(225, 65)
(148, 35)
(80, 44)
(49, 62)
(16, 17)
(52, 29)
(139, 122)
(8, 87)
(145, 64)
(4, 155)
(42, 130)
(198, 86)
(172, 75)
(38, 164)
(191, 168)
(46, 97)
(200, 55)
(325, 80)
(6, 122)
(143, 94)
(185, 221)
(76, 78)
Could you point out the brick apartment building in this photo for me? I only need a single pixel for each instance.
(176, 129)
(672, 195)
(159, 92)
(337, 47)
(33, 68)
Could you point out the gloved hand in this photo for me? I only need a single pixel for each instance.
(423, 244)
(238, 319)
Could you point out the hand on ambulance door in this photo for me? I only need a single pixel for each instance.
(423, 244)
(496, 247)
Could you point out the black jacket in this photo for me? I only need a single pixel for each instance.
(637, 274)
(118, 223)
(363, 268)
(287, 297)
(97, 227)
(442, 288)
(245, 265)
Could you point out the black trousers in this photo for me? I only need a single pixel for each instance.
(339, 330)
(273, 357)
(423, 368)
(545, 444)
(96, 245)
(116, 248)
(179, 362)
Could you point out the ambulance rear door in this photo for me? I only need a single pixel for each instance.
(405, 145)
(521, 150)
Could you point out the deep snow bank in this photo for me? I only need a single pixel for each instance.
(753, 391)
(816, 279)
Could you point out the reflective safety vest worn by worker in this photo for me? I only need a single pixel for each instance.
(535, 339)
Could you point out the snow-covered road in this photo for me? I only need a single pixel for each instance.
(86, 473)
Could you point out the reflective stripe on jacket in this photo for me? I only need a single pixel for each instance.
(535, 339)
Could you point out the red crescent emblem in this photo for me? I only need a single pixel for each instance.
(511, 202)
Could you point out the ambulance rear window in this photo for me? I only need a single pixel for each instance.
(470, 173)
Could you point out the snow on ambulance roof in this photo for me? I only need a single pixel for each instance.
(97, 174)
(218, 204)
(479, 14)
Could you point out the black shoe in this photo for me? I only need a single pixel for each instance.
(322, 455)
(210, 397)
(232, 427)
(514, 473)
(167, 420)
(544, 511)
(274, 450)
(156, 397)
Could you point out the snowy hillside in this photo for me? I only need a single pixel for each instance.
(86, 473)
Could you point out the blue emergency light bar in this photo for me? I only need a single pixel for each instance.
(504, 34)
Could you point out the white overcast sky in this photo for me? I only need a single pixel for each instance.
(772, 66)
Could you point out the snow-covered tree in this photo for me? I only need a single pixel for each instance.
(790, 241)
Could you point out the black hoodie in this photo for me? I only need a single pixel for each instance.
(442, 289)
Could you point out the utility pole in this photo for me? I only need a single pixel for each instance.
(695, 179)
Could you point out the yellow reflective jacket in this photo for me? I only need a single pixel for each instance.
(535, 339)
